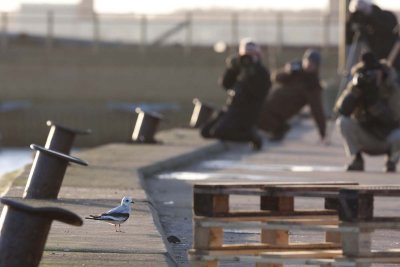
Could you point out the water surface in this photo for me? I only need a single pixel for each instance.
(14, 158)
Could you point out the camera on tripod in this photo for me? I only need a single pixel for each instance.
(365, 79)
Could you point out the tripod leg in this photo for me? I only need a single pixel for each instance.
(351, 58)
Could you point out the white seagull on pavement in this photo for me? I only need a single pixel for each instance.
(117, 215)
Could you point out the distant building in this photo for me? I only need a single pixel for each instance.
(86, 8)
(40, 9)
(334, 7)
(83, 9)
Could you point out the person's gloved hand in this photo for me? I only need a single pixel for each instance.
(233, 62)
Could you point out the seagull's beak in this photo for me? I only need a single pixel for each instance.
(132, 202)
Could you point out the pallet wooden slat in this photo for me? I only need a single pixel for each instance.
(307, 219)
(299, 224)
(248, 188)
(378, 191)
(278, 226)
(297, 213)
(257, 249)
(384, 223)
(302, 254)
(327, 191)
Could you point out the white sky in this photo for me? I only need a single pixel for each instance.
(165, 6)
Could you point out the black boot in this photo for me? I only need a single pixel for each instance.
(357, 164)
(278, 135)
(256, 141)
(390, 166)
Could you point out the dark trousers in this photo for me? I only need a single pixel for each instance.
(272, 123)
(219, 126)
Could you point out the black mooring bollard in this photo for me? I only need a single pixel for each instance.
(146, 126)
(201, 113)
(61, 138)
(47, 173)
(24, 230)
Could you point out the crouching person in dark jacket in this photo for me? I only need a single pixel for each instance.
(247, 82)
(370, 113)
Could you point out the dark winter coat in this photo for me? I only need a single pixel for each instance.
(380, 30)
(293, 90)
(246, 85)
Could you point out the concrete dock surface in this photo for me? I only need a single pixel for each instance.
(298, 158)
(115, 171)
(160, 178)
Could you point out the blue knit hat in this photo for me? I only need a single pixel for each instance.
(313, 55)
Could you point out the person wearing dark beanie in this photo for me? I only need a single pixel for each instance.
(296, 85)
(247, 82)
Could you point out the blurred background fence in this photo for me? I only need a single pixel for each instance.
(185, 29)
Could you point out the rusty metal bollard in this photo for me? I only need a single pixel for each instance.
(61, 138)
(146, 126)
(47, 173)
(24, 230)
(201, 113)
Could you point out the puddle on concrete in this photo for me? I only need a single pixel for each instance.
(244, 167)
(198, 176)
(229, 164)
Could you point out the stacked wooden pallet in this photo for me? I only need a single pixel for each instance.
(358, 222)
(275, 217)
(348, 220)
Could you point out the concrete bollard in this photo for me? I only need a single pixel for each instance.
(47, 173)
(61, 138)
(146, 126)
(24, 230)
(201, 113)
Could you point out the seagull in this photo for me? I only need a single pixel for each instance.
(117, 215)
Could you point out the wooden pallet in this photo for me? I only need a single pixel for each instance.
(275, 217)
(213, 199)
(357, 211)
(356, 222)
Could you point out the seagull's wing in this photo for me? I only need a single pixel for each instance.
(117, 210)
(111, 218)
